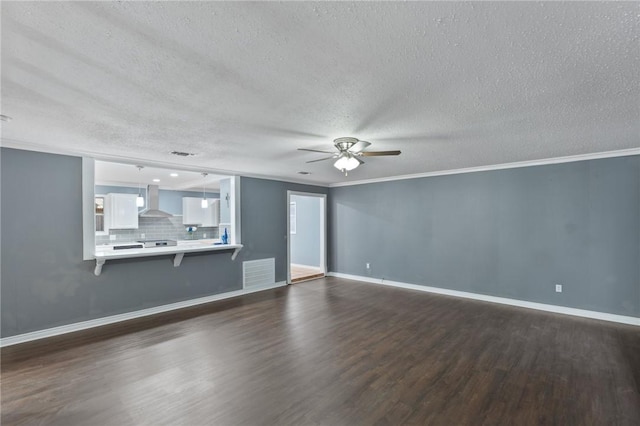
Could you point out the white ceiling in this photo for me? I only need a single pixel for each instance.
(243, 85)
(119, 174)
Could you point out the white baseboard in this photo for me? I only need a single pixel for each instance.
(84, 325)
(494, 299)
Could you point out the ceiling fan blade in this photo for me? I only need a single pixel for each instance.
(378, 153)
(359, 146)
(359, 160)
(315, 150)
(321, 159)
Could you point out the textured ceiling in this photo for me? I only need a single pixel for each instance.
(118, 174)
(243, 85)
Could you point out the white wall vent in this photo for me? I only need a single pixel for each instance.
(256, 273)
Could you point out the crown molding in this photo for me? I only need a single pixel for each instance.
(11, 143)
(28, 146)
(503, 166)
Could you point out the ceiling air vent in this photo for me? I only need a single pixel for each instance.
(182, 154)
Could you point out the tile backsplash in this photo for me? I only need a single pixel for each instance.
(157, 228)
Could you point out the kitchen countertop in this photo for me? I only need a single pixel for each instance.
(181, 243)
(106, 252)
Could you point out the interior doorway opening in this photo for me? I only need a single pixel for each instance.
(306, 231)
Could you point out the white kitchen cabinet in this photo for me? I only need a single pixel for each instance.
(120, 211)
(211, 213)
(194, 214)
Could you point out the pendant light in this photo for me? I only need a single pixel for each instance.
(204, 204)
(139, 198)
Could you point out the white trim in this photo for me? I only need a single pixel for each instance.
(288, 238)
(15, 144)
(502, 300)
(98, 322)
(293, 218)
(26, 146)
(235, 210)
(323, 229)
(88, 209)
(518, 164)
(323, 234)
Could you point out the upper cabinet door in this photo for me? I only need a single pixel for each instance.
(192, 211)
(121, 211)
(212, 213)
(194, 214)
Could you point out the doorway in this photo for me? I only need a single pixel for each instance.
(306, 231)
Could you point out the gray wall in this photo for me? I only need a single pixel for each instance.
(269, 212)
(511, 233)
(305, 243)
(44, 281)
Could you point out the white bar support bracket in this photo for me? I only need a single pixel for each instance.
(177, 260)
(235, 253)
(99, 263)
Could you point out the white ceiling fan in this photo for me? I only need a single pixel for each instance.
(349, 151)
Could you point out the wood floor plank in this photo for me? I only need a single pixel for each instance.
(331, 352)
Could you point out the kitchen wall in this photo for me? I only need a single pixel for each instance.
(157, 228)
(512, 233)
(169, 201)
(45, 282)
(305, 243)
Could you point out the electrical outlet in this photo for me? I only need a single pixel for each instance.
(142, 236)
(112, 237)
(368, 265)
(558, 288)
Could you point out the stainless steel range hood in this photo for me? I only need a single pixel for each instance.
(153, 203)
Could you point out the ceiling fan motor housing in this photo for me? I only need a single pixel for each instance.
(344, 144)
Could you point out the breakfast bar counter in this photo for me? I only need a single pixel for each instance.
(107, 252)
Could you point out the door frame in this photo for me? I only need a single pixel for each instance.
(323, 229)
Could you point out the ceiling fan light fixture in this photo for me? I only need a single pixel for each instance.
(349, 152)
(346, 162)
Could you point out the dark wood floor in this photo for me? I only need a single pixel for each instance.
(331, 352)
